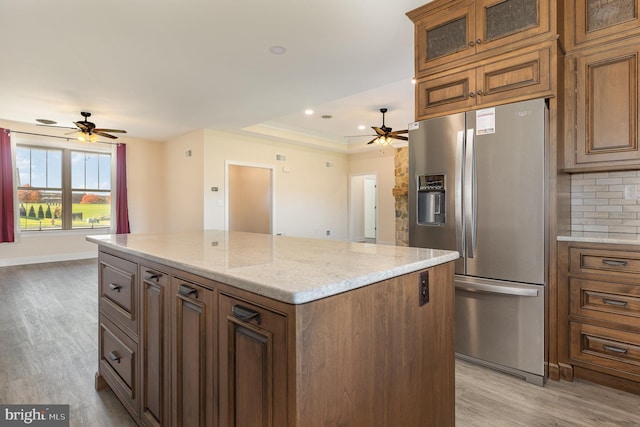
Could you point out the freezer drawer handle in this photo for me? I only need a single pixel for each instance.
(494, 289)
(613, 349)
(614, 263)
(114, 356)
(615, 302)
(114, 287)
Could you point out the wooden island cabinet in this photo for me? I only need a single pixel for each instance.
(214, 342)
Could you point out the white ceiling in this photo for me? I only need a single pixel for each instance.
(161, 68)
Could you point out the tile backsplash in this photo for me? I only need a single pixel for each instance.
(606, 202)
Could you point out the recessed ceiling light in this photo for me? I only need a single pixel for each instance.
(362, 127)
(308, 112)
(46, 121)
(277, 50)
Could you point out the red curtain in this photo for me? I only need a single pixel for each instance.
(122, 208)
(6, 189)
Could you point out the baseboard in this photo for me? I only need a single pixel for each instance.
(47, 258)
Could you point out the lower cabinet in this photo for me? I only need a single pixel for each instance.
(155, 348)
(208, 354)
(193, 366)
(599, 303)
(252, 365)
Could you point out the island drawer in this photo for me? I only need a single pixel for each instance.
(603, 261)
(118, 291)
(118, 362)
(604, 347)
(608, 301)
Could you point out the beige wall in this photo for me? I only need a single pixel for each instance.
(310, 198)
(380, 163)
(171, 192)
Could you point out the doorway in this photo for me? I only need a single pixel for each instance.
(249, 198)
(363, 208)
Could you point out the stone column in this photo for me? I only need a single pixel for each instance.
(401, 192)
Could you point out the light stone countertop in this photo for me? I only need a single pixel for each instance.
(289, 269)
(598, 237)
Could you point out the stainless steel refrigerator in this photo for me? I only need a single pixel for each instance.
(477, 185)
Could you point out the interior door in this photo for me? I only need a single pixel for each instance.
(250, 193)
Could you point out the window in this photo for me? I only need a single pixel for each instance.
(63, 188)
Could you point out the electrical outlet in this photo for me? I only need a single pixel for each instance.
(630, 192)
(423, 289)
(328, 232)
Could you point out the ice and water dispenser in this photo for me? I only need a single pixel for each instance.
(431, 199)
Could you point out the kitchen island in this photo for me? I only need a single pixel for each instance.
(228, 328)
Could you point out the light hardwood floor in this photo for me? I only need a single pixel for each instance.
(48, 354)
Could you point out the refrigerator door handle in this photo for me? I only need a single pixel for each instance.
(470, 200)
(458, 192)
(496, 289)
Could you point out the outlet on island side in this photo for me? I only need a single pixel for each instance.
(328, 232)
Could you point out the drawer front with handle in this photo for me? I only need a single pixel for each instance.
(118, 291)
(604, 347)
(614, 302)
(601, 261)
(118, 363)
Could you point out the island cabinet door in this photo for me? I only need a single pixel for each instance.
(155, 347)
(253, 364)
(193, 364)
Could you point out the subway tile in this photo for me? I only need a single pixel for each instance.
(629, 230)
(583, 195)
(623, 174)
(608, 181)
(595, 214)
(597, 175)
(583, 221)
(583, 208)
(576, 227)
(621, 202)
(609, 195)
(595, 228)
(631, 222)
(631, 208)
(578, 201)
(594, 188)
(623, 215)
(575, 182)
(631, 180)
(609, 208)
(608, 221)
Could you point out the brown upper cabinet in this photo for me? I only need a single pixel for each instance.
(456, 32)
(589, 22)
(601, 113)
(510, 77)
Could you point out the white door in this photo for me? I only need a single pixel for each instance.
(370, 206)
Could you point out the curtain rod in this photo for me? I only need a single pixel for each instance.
(60, 137)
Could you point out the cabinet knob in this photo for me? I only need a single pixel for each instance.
(471, 94)
(471, 43)
(478, 41)
(479, 92)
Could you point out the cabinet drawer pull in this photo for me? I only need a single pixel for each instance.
(613, 349)
(614, 263)
(115, 287)
(188, 291)
(152, 276)
(615, 302)
(245, 314)
(114, 356)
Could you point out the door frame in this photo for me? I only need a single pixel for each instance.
(351, 201)
(228, 163)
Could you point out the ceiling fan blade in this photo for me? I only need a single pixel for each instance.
(96, 130)
(402, 131)
(72, 132)
(106, 135)
(82, 126)
(59, 127)
(403, 138)
(372, 141)
(378, 130)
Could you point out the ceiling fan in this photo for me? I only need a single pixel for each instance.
(385, 134)
(87, 131)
